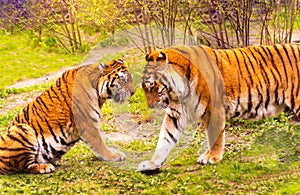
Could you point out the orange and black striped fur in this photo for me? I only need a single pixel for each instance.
(52, 123)
(259, 81)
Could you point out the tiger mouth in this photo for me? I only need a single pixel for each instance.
(161, 104)
(120, 98)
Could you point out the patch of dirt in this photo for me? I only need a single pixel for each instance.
(17, 100)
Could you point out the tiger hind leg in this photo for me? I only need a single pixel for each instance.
(295, 108)
(18, 150)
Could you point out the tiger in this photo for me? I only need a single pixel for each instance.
(253, 82)
(47, 128)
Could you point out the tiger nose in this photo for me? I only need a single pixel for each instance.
(132, 92)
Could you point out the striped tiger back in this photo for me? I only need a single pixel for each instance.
(259, 80)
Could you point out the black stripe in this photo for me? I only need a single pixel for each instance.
(65, 78)
(167, 139)
(282, 63)
(175, 110)
(287, 55)
(171, 136)
(36, 111)
(76, 104)
(275, 68)
(239, 83)
(276, 88)
(250, 104)
(63, 142)
(174, 121)
(103, 84)
(45, 145)
(188, 72)
(12, 150)
(21, 154)
(58, 83)
(53, 90)
(26, 140)
(62, 130)
(226, 53)
(17, 118)
(16, 139)
(205, 111)
(182, 51)
(51, 131)
(20, 126)
(198, 102)
(49, 95)
(261, 99)
(39, 99)
(177, 65)
(264, 74)
(45, 156)
(96, 120)
(298, 73)
(26, 113)
(274, 64)
(95, 111)
(56, 153)
(246, 65)
(292, 96)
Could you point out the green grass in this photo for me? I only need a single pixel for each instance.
(257, 169)
(20, 62)
(261, 157)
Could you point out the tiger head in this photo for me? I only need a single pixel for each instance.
(155, 82)
(117, 82)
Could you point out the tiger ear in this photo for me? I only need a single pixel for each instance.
(102, 66)
(120, 61)
(162, 57)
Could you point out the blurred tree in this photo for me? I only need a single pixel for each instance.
(154, 23)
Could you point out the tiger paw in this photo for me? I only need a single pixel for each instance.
(209, 158)
(41, 168)
(115, 156)
(148, 167)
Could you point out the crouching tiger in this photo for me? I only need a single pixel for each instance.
(52, 123)
(259, 82)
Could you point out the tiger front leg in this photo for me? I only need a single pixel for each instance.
(168, 137)
(94, 140)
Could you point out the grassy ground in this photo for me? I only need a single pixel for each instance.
(20, 62)
(261, 157)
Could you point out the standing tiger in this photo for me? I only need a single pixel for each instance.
(52, 123)
(258, 81)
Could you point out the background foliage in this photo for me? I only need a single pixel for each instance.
(76, 24)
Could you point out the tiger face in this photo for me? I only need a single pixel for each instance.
(157, 89)
(156, 94)
(118, 84)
